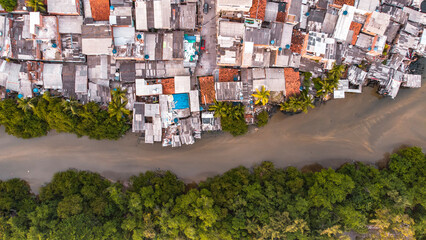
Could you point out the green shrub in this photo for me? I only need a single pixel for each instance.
(262, 118)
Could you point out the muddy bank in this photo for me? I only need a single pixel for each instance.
(360, 127)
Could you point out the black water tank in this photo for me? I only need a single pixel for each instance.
(423, 6)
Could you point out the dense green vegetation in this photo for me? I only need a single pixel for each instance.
(262, 118)
(300, 103)
(231, 117)
(34, 117)
(260, 203)
(8, 5)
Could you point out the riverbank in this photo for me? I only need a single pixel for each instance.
(361, 127)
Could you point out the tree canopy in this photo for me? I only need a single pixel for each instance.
(263, 202)
(35, 117)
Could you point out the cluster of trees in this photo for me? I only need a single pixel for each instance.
(260, 203)
(231, 117)
(300, 103)
(34, 117)
(330, 82)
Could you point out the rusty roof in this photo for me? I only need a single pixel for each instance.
(168, 85)
(298, 41)
(281, 16)
(228, 74)
(356, 28)
(292, 82)
(207, 90)
(100, 10)
(257, 9)
(343, 2)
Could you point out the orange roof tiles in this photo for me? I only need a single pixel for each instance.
(292, 82)
(100, 10)
(356, 28)
(168, 85)
(298, 41)
(207, 90)
(227, 74)
(343, 2)
(257, 9)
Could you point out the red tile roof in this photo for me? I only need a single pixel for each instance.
(168, 85)
(100, 10)
(298, 41)
(227, 74)
(207, 90)
(292, 82)
(257, 9)
(342, 2)
(356, 28)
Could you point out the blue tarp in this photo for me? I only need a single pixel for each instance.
(181, 101)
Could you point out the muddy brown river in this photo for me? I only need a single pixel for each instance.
(361, 127)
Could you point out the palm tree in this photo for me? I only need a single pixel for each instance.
(118, 109)
(326, 87)
(336, 72)
(119, 94)
(237, 112)
(36, 5)
(300, 103)
(262, 96)
(26, 104)
(221, 109)
(307, 101)
(70, 106)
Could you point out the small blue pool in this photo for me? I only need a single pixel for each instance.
(181, 101)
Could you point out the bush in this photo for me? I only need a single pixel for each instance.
(262, 118)
(234, 126)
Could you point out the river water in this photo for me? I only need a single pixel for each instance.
(361, 127)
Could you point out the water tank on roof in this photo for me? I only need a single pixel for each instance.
(54, 45)
(139, 36)
(147, 56)
(8, 90)
(112, 8)
(114, 51)
(307, 14)
(345, 12)
(20, 96)
(272, 41)
(423, 6)
(287, 46)
(35, 90)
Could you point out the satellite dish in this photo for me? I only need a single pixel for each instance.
(239, 15)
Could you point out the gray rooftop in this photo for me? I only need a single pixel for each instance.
(70, 24)
(62, 7)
